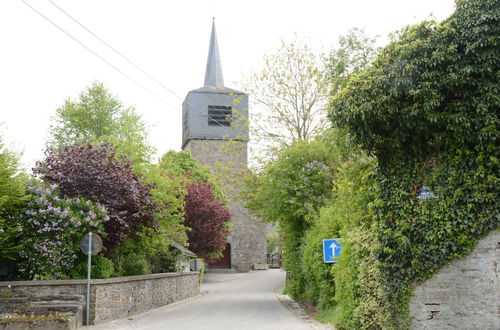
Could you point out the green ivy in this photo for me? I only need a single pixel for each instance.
(428, 110)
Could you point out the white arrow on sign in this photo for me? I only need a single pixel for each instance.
(333, 246)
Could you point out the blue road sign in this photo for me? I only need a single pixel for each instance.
(331, 249)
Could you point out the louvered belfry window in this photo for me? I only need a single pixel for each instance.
(219, 115)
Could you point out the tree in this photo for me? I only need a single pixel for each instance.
(12, 194)
(208, 218)
(98, 174)
(98, 116)
(182, 164)
(291, 91)
(206, 213)
(355, 52)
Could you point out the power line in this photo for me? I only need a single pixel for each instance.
(130, 61)
(97, 55)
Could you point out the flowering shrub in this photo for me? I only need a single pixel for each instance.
(52, 228)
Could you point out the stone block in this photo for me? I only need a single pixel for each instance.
(261, 266)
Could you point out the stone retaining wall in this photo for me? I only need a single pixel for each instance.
(462, 295)
(118, 297)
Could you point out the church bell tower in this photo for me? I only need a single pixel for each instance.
(215, 131)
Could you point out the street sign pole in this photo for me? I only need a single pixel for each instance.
(88, 278)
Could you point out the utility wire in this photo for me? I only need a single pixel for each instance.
(97, 55)
(130, 61)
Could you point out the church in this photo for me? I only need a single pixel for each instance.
(215, 130)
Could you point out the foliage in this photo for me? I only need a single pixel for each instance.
(272, 242)
(169, 192)
(290, 192)
(361, 302)
(355, 52)
(428, 109)
(346, 210)
(135, 265)
(96, 117)
(52, 227)
(291, 89)
(208, 218)
(101, 267)
(182, 164)
(206, 213)
(12, 191)
(166, 261)
(98, 174)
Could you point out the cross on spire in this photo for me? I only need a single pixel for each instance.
(213, 73)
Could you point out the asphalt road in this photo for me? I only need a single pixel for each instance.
(232, 301)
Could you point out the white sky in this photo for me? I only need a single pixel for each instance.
(40, 66)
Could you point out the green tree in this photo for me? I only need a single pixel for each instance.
(12, 194)
(98, 116)
(355, 52)
(183, 164)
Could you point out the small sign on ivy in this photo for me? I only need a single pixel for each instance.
(425, 193)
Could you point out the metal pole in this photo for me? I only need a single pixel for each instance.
(88, 278)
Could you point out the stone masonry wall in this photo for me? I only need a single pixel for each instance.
(463, 295)
(118, 297)
(228, 161)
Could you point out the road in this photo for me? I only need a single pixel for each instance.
(233, 301)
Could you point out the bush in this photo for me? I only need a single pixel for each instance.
(52, 226)
(166, 261)
(135, 265)
(101, 267)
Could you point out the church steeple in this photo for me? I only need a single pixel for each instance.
(213, 73)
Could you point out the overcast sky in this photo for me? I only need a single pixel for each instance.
(40, 66)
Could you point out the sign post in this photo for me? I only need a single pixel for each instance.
(90, 245)
(332, 248)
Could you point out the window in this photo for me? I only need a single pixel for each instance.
(219, 115)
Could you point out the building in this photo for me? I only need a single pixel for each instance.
(215, 131)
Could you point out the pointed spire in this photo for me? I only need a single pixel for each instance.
(213, 74)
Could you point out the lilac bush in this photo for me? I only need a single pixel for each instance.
(52, 227)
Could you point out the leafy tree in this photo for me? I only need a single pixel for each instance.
(12, 192)
(206, 213)
(183, 164)
(98, 174)
(98, 116)
(355, 52)
(292, 90)
(208, 218)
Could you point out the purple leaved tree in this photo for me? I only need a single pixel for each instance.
(98, 174)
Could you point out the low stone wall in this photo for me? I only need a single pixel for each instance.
(115, 298)
(463, 295)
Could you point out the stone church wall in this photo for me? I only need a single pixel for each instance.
(463, 295)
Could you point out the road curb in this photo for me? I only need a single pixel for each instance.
(295, 308)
